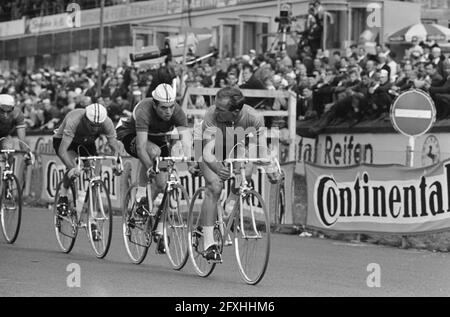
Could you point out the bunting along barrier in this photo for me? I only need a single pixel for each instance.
(379, 198)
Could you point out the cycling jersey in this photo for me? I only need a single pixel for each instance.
(15, 120)
(249, 119)
(145, 119)
(81, 132)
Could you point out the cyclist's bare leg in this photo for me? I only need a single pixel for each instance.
(66, 179)
(8, 144)
(214, 187)
(159, 183)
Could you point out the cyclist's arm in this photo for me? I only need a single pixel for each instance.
(63, 152)
(21, 134)
(186, 141)
(141, 149)
(209, 144)
(20, 128)
(115, 146)
(111, 136)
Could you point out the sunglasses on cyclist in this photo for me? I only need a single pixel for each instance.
(6, 108)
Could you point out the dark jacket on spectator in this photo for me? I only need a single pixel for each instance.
(437, 80)
(444, 89)
(253, 83)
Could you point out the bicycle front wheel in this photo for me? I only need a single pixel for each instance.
(176, 227)
(11, 208)
(100, 220)
(252, 237)
(195, 236)
(136, 227)
(66, 225)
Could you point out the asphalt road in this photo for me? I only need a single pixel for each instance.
(34, 266)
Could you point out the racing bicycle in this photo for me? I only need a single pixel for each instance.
(248, 222)
(94, 213)
(140, 220)
(11, 195)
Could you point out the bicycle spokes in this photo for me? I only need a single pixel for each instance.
(176, 227)
(10, 209)
(100, 219)
(252, 238)
(137, 225)
(66, 226)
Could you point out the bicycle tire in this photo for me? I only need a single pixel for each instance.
(252, 267)
(11, 237)
(128, 224)
(201, 266)
(66, 239)
(176, 244)
(102, 246)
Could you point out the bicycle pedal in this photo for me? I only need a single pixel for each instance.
(228, 243)
(218, 260)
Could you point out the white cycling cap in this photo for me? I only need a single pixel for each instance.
(7, 100)
(164, 93)
(96, 113)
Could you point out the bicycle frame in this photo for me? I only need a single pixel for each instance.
(171, 183)
(92, 178)
(244, 188)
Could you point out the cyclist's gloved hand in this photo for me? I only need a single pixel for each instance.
(118, 168)
(275, 176)
(195, 170)
(224, 173)
(151, 173)
(29, 158)
(74, 173)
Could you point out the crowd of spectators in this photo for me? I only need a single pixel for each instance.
(16, 9)
(342, 88)
(331, 87)
(47, 95)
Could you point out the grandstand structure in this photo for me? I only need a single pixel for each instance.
(49, 36)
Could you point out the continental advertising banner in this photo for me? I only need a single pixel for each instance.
(341, 149)
(382, 199)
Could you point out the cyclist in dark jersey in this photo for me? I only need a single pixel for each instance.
(150, 134)
(76, 136)
(12, 121)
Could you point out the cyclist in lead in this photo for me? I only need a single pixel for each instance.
(150, 134)
(220, 128)
(12, 120)
(75, 137)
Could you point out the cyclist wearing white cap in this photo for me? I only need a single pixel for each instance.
(12, 120)
(77, 135)
(147, 135)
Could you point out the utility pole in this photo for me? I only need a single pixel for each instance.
(100, 49)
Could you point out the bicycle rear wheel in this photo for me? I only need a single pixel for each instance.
(100, 220)
(195, 236)
(11, 208)
(176, 227)
(252, 238)
(66, 226)
(135, 228)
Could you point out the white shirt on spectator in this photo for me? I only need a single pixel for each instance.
(393, 66)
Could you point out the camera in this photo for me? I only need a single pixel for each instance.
(285, 19)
